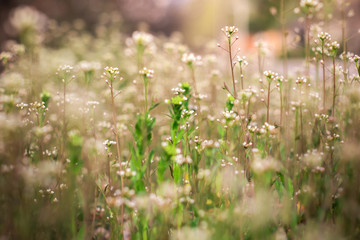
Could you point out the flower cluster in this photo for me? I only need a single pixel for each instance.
(242, 61)
(142, 38)
(332, 48)
(300, 80)
(356, 59)
(324, 37)
(65, 68)
(271, 76)
(113, 71)
(310, 6)
(110, 75)
(5, 57)
(268, 128)
(180, 159)
(146, 72)
(127, 173)
(190, 59)
(108, 143)
(229, 31)
(26, 17)
(86, 66)
(260, 166)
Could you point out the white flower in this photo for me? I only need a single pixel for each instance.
(149, 73)
(65, 68)
(242, 61)
(191, 59)
(310, 6)
(309, 3)
(229, 31)
(324, 36)
(25, 17)
(142, 38)
(108, 143)
(112, 70)
(86, 66)
(262, 165)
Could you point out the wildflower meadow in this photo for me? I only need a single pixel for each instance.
(107, 133)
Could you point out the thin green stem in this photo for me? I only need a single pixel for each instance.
(117, 146)
(268, 103)
(284, 34)
(146, 94)
(307, 46)
(64, 122)
(344, 40)
(241, 77)
(334, 86)
(323, 68)
(232, 67)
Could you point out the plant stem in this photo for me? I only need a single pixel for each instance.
(284, 34)
(301, 124)
(232, 68)
(241, 78)
(343, 34)
(317, 73)
(260, 64)
(64, 123)
(281, 106)
(117, 147)
(194, 80)
(323, 68)
(268, 102)
(196, 96)
(334, 86)
(307, 46)
(145, 94)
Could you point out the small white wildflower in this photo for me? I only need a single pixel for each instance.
(190, 59)
(229, 31)
(149, 73)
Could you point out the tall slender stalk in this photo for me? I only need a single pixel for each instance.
(302, 144)
(232, 66)
(241, 78)
(64, 122)
(307, 46)
(344, 40)
(268, 103)
(146, 94)
(334, 86)
(117, 148)
(323, 73)
(270, 77)
(193, 79)
(229, 32)
(284, 34)
(281, 106)
(111, 74)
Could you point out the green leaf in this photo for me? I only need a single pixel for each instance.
(81, 234)
(153, 106)
(290, 187)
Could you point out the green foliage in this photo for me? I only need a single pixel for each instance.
(84, 159)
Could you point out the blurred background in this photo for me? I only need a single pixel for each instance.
(197, 20)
